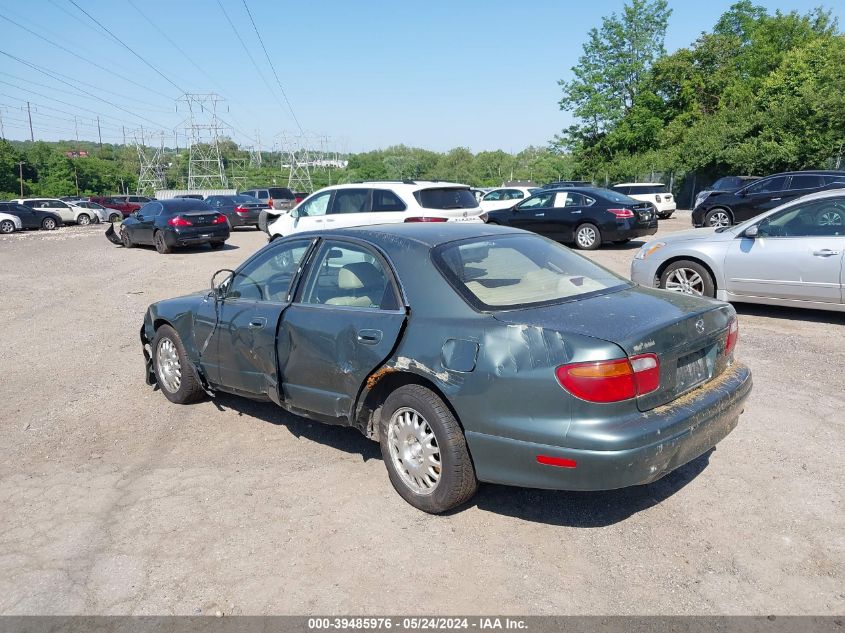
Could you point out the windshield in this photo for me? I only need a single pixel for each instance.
(446, 198)
(515, 271)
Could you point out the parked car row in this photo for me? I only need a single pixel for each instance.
(18, 217)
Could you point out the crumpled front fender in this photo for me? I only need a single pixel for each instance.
(112, 236)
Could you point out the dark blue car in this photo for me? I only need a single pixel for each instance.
(168, 224)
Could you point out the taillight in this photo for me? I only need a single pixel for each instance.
(611, 380)
(178, 220)
(622, 213)
(270, 203)
(219, 219)
(733, 337)
(241, 210)
(426, 219)
(657, 197)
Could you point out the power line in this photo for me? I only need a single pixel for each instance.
(272, 67)
(85, 59)
(126, 46)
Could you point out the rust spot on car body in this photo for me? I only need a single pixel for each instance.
(377, 375)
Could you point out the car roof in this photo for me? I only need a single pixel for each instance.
(400, 185)
(637, 184)
(429, 234)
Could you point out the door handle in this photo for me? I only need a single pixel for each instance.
(825, 252)
(257, 323)
(775, 199)
(369, 337)
(539, 215)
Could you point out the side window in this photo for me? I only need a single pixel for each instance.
(805, 181)
(769, 185)
(819, 218)
(32, 204)
(493, 196)
(350, 201)
(385, 200)
(588, 201)
(517, 195)
(269, 276)
(318, 205)
(350, 276)
(58, 204)
(263, 194)
(539, 201)
(575, 200)
(625, 191)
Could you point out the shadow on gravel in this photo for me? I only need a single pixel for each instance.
(584, 509)
(790, 314)
(627, 246)
(553, 507)
(339, 437)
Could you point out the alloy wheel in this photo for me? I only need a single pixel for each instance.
(7, 226)
(83, 220)
(685, 281)
(414, 451)
(168, 367)
(830, 218)
(719, 219)
(586, 236)
(49, 224)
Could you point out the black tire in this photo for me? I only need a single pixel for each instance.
(7, 226)
(583, 232)
(115, 217)
(457, 482)
(125, 239)
(664, 216)
(83, 219)
(217, 245)
(49, 224)
(189, 389)
(707, 285)
(161, 243)
(714, 217)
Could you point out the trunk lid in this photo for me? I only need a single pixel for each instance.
(201, 218)
(686, 333)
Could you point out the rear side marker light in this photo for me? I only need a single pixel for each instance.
(560, 462)
(426, 219)
(622, 213)
(611, 380)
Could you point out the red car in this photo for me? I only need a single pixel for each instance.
(118, 203)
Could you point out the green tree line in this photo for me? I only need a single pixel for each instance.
(759, 93)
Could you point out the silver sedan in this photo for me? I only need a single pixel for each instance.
(789, 256)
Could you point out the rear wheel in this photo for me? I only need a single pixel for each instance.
(172, 367)
(161, 243)
(689, 278)
(717, 218)
(48, 224)
(665, 216)
(115, 217)
(587, 237)
(7, 226)
(425, 451)
(83, 219)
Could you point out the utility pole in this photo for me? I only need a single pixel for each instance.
(2, 129)
(20, 172)
(124, 134)
(29, 113)
(99, 133)
(76, 127)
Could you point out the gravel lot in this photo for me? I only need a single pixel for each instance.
(115, 501)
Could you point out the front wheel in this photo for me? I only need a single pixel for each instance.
(7, 226)
(717, 218)
(425, 451)
(83, 219)
(48, 224)
(172, 367)
(689, 278)
(587, 237)
(161, 244)
(125, 239)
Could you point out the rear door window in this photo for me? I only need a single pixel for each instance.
(805, 181)
(385, 200)
(769, 185)
(351, 201)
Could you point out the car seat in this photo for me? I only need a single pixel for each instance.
(363, 284)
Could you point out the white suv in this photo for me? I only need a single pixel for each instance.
(654, 192)
(367, 203)
(67, 211)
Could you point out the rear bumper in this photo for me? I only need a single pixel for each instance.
(197, 235)
(630, 232)
(707, 416)
(246, 219)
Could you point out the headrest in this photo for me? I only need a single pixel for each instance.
(359, 275)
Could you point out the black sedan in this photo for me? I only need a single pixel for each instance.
(470, 352)
(586, 216)
(240, 210)
(32, 218)
(168, 224)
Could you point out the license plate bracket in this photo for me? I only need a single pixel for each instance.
(695, 369)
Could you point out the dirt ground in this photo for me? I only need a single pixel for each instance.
(114, 501)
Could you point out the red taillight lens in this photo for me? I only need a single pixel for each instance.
(178, 220)
(622, 213)
(219, 219)
(241, 210)
(733, 337)
(426, 219)
(611, 380)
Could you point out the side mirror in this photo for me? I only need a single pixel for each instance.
(752, 231)
(219, 289)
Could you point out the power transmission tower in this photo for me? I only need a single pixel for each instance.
(151, 176)
(255, 152)
(205, 166)
(295, 148)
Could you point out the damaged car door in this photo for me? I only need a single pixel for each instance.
(344, 323)
(242, 350)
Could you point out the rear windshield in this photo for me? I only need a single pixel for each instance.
(515, 271)
(613, 196)
(638, 190)
(446, 198)
(281, 193)
(244, 199)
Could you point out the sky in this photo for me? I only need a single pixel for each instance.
(364, 74)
